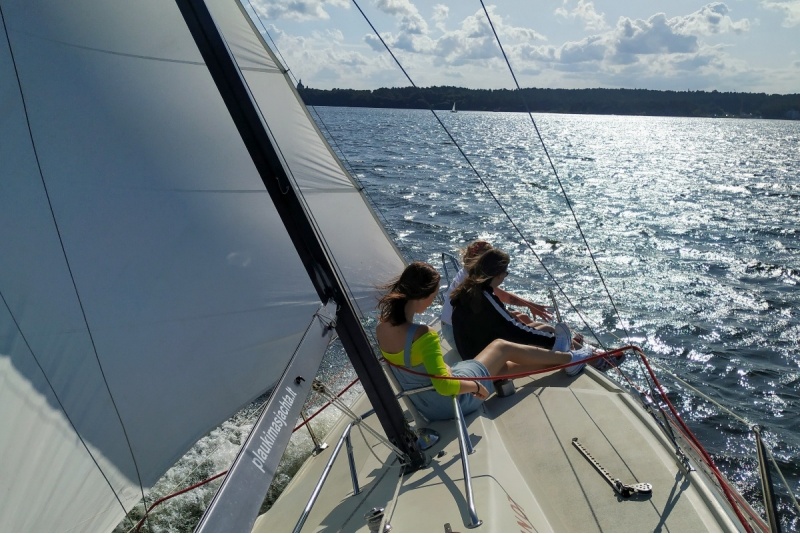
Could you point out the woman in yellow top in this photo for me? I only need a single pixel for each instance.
(417, 347)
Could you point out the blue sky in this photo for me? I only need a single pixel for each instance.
(736, 45)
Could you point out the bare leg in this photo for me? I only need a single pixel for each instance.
(502, 357)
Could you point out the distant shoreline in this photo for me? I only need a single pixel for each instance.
(577, 101)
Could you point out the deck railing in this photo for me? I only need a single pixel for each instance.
(464, 444)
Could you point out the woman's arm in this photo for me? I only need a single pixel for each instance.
(430, 350)
(515, 300)
(432, 359)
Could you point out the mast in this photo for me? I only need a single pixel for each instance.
(327, 283)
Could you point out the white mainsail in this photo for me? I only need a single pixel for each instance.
(149, 288)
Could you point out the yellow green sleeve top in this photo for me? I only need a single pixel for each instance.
(428, 351)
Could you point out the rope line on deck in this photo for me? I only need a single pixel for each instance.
(595, 356)
(693, 440)
(724, 485)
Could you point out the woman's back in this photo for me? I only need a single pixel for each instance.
(475, 325)
(392, 338)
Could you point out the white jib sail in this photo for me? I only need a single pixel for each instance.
(149, 289)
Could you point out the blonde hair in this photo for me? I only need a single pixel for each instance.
(473, 251)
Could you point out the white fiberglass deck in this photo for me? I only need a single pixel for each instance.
(526, 474)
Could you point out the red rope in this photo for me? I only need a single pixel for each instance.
(211, 479)
(304, 423)
(168, 497)
(697, 445)
(595, 356)
(683, 427)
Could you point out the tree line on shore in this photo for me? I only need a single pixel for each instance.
(586, 101)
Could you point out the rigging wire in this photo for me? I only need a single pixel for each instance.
(555, 171)
(77, 295)
(528, 243)
(349, 171)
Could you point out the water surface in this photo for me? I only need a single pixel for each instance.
(692, 224)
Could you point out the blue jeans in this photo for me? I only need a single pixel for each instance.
(436, 407)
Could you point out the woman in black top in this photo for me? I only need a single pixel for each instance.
(479, 317)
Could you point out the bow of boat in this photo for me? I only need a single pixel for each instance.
(526, 473)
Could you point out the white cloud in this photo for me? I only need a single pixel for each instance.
(455, 54)
(711, 19)
(409, 19)
(585, 12)
(543, 53)
(789, 8)
(691, 50)
(439, 17)
(374, 43)
(658, 52)
(396, 7)
(297, 9)
(655, 35)
(323, 59)
(474, 41)
(589, 49)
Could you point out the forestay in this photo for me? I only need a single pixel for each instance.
(149, 289)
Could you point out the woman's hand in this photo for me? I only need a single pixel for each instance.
(482, 392)
(539, 311)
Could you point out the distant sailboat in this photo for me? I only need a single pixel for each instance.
(454, 108)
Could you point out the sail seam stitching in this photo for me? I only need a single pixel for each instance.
(77, 295)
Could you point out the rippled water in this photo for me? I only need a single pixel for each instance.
(693, 224)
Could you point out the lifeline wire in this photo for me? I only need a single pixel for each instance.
(319, 387)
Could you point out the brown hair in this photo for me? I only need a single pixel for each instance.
(417, 281)
(479, 273)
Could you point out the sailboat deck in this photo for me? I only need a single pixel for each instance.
(526, 474)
